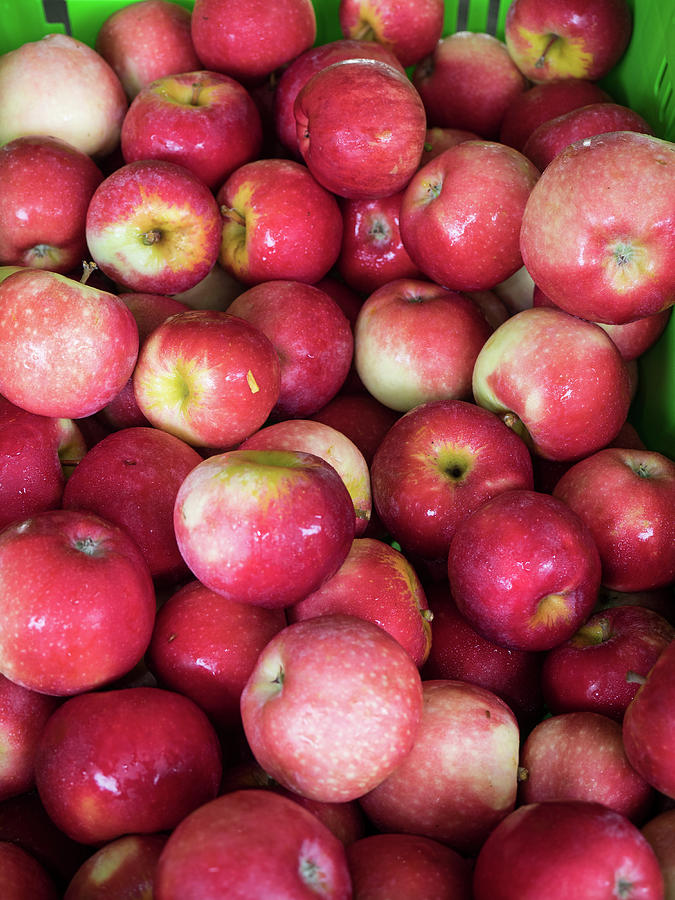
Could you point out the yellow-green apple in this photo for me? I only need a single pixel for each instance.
(332, 707)
(541, 102)
(439, 139)
(416, 342)
(580, 756)
(22, 875)
(552, 41)
(278, 223)
(131, 478)
(208, 377)
(329, 444)
(410, 29)
(448, 222)
(557, 380)
(70, 359)
(311, 336)
(249, 40)
(460, 778)
(124, 867)
(154, 227)
(524, 570)
(215, 291)
(145, 41)
(359, 416)
(205, 121)
(627, 500)
(85, 103)
(660, 833)
(265, 527)
(130, 761)
(491, 305)
(593, 849)
(467, 82)
(616, 262)
(249, 843)
(438, 463)
(407, 866)
(517, 291)
(375, 582)
(600, 667)
(205, 646)
(76, 599)
(361, 127)
(45, 189)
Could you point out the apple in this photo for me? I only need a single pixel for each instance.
(494, 310)
(265, 527)
(416, 342)
(557, 380)
(447, 217)
(205, 121)
(21, 875)
(460, 778)
(124, 867)
(70, 585)
(439, 139)
(215, 291)
(409, 28)
(332, 707)
(467, 82)
(154, 227)
(566, 843)
(84, 104)
(207, 377)
(251, 843)
(660, 833)
(659, 600)
(279, 223)
(247, 39)
(311, 336)
(616, 262)
(361, 127)
(147, 40)
(436, 464)
(556, 40)
(517, 291)
(346, 298)
(360, 417)
(595, 670)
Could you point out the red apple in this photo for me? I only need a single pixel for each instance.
(332, 707)
(346, 298)
(660, 833)
(440, 139)
(362, 418)
(121, 868)
(409, 28)
(22, 876)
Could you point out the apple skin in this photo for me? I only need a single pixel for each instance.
(616, 262)
(460, 778)
(439, 139)
(279, 223)
(555, 379)
(467, 82)
(78, 356)
(252, 843)
(207, 377)
(264, 527)
(22, 876)
(123, 868)
(660, 833)
(362, 418)
(205, 121)
(570, 845)
(524, 570)
(594, 669)
(361, 127)
(416, 342)
(70, 585)
(145, 41)
(131, 761)
(436, 464)
(557, 40)
(447, 214)
(410, 29)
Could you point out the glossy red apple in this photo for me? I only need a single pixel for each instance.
(360, 417)
(124, 867)
(409, 28)
(22, 876)
(439, 139)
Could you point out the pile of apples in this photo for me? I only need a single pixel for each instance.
(330, 563)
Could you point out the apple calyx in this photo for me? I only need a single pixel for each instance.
(593, 633)
(454, 464)
(627, 264)
(87, 545)
(624, 888)
(154, 236)
(311, 872)
(380, 231)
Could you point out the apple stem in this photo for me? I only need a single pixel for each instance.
(541, 62)
(523, 774)
(228, 213)
(196, 91)
(364, 32)
(427, 615)
(88, 266)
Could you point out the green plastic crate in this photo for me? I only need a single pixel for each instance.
(643, 80)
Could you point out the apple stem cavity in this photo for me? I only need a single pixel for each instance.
(229, 213)
(541, 62)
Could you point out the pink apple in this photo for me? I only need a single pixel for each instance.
(467, 82)
(22, 876)
(416, 342)
(436, 464)
(460, 778)
(84, 104)
(147, 40)
(555, 379)
(360, 417)
(541, 849)
(124, 867)
(75, 357)
(616, 262)
(279, 223)
(346, 298)
(263, 526)
(409, 28)
(361, 127)
(557, 40)
(207, 377)
(332, 707)
(448, 223)
(439, 139)
(660, 833)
